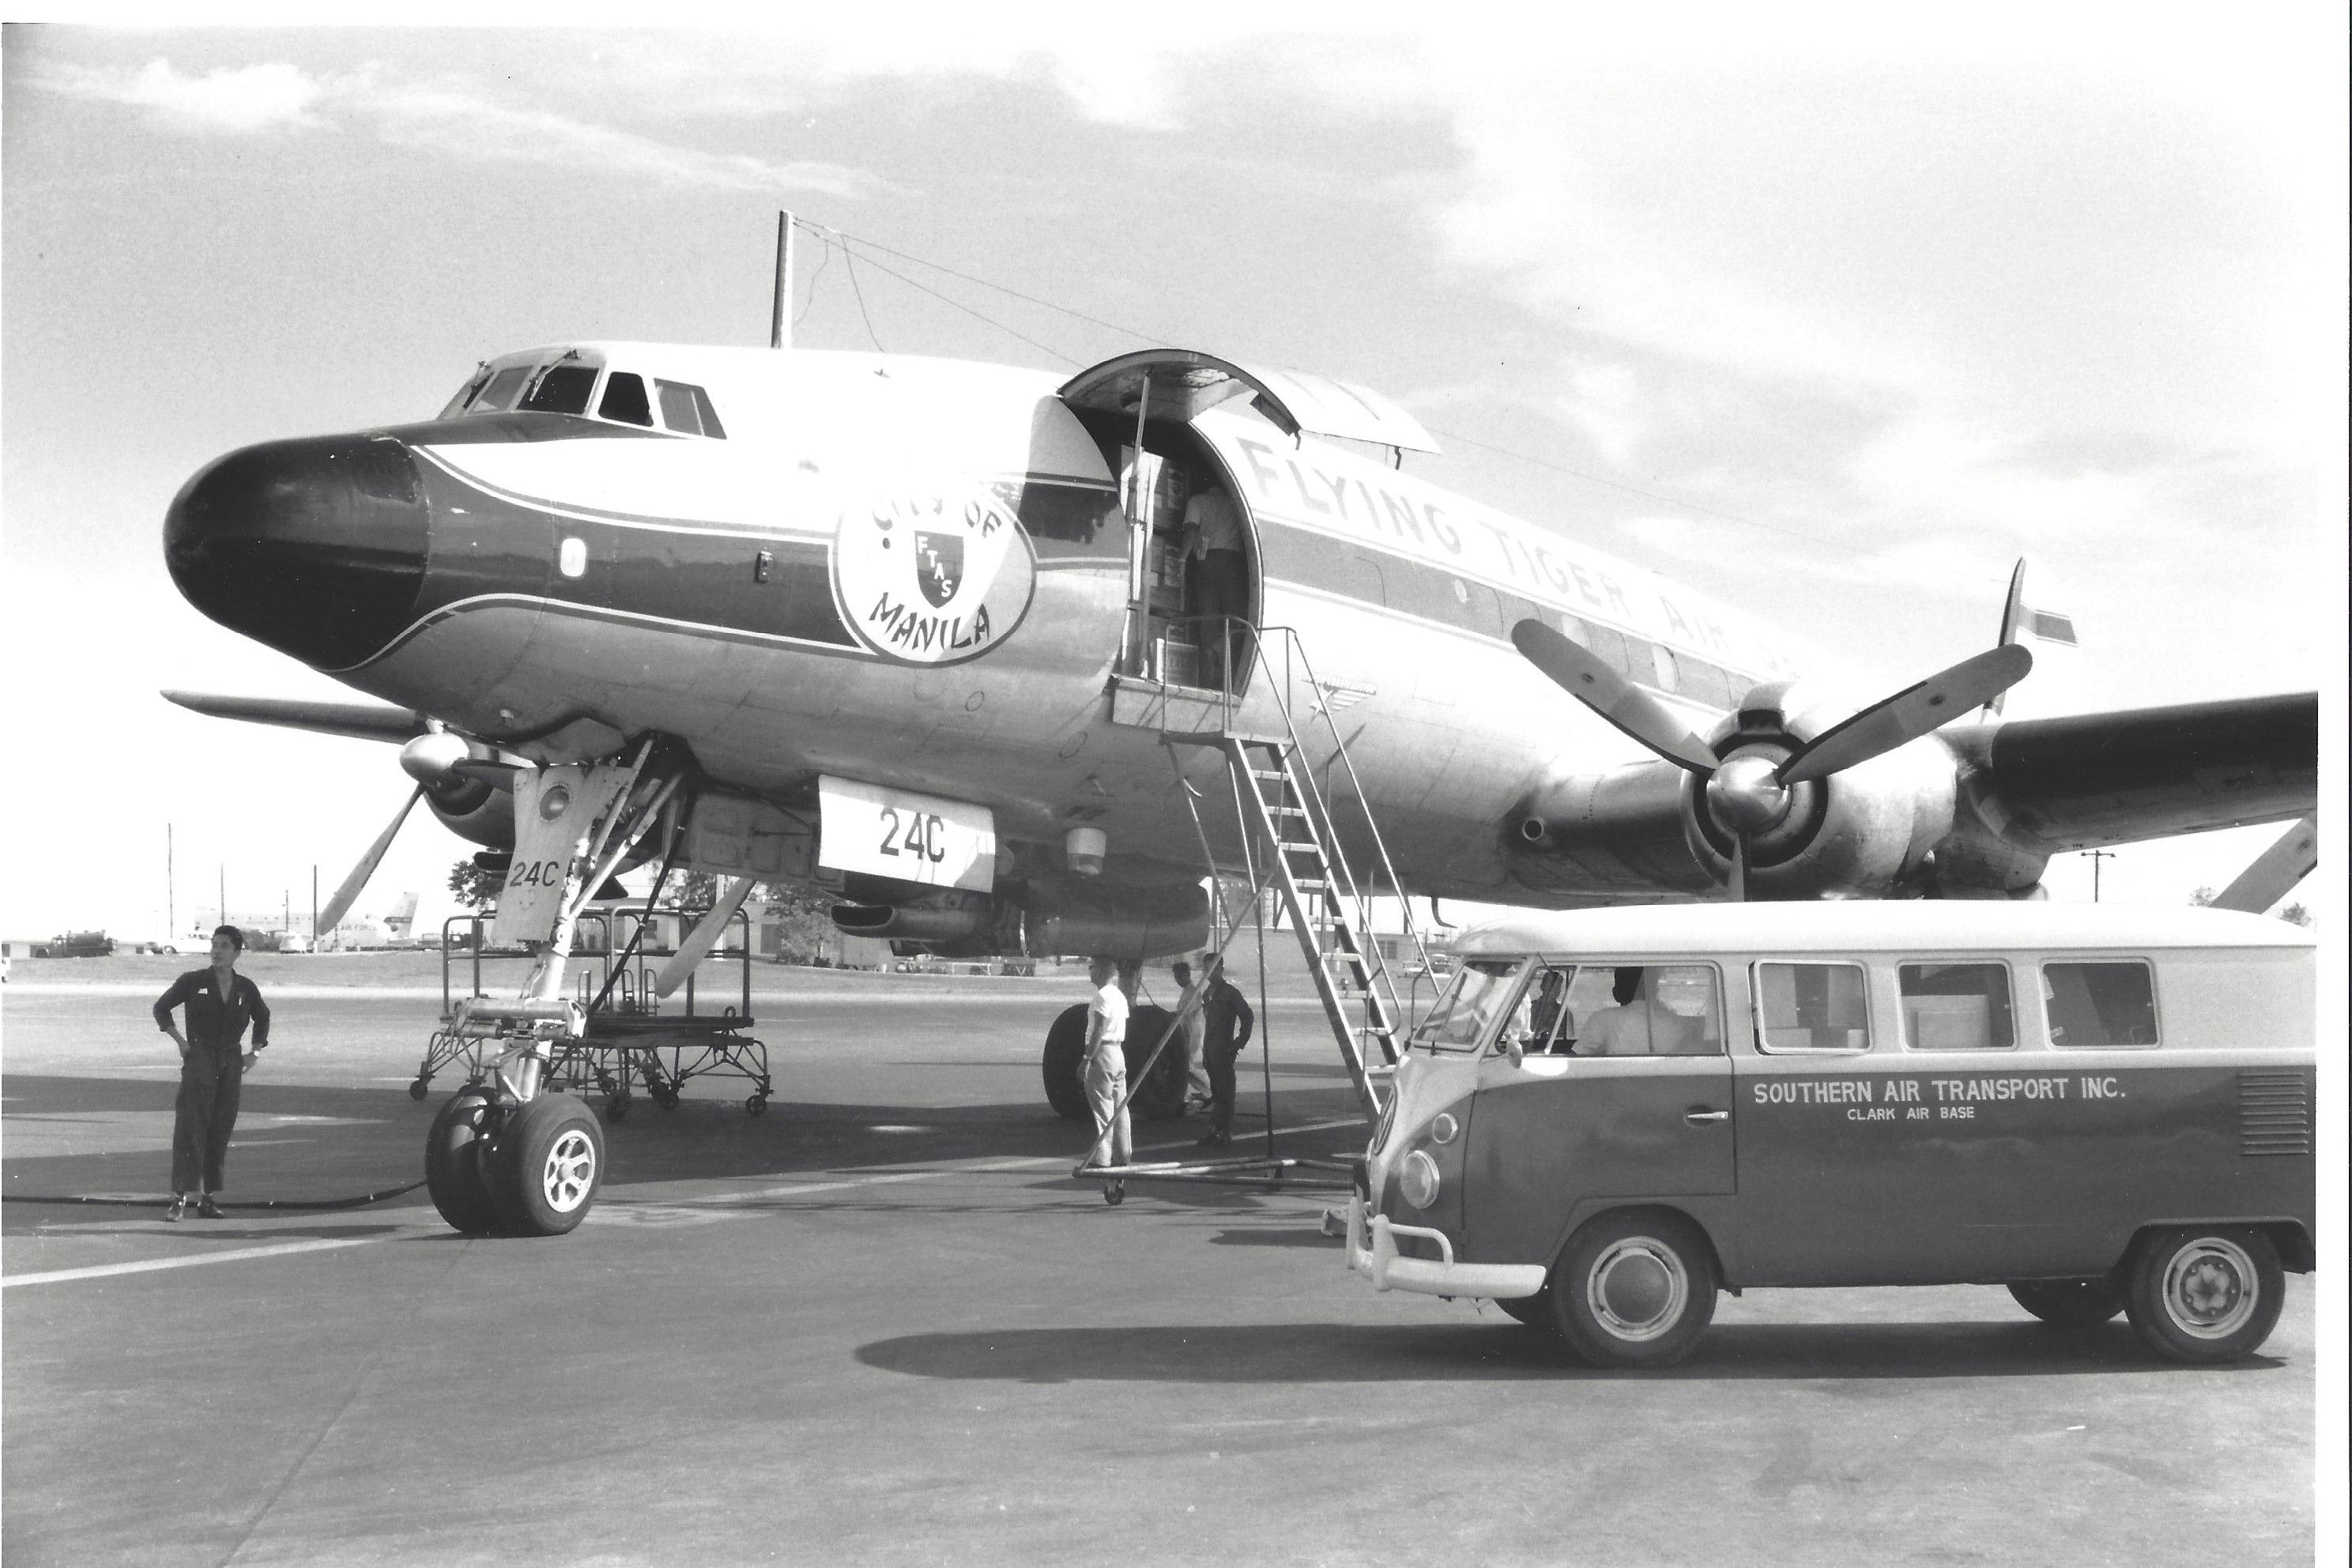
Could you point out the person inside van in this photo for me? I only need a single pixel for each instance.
(1639, 1025)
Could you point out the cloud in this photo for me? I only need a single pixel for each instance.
(243, 100)
(451, 117)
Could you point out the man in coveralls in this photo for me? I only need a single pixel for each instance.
(1106, 1074)
(1227, 1023)
(220, 1002)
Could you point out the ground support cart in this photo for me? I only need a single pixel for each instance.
(663, 1054)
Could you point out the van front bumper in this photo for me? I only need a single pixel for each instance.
(1371, 1252)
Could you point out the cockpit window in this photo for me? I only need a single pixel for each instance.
(564, 389)
(624, 399)
(456, 406)
(499, 393)
(687, 409)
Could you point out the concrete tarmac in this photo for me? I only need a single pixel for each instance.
(882, 1325)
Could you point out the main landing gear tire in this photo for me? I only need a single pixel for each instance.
(454, 1172)
(2069, 1303)
(1066, 1055)
(549, 1162)
(1160, 1096)
(419, 1090)
(2202, 1295)
(1634, 1289)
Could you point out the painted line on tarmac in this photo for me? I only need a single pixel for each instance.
(236, 1255)
(244, 1253)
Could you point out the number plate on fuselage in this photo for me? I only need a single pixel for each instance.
(912, 838)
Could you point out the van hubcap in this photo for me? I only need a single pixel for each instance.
(1637, 1289)
(2209, 1289)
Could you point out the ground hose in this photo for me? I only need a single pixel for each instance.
(264, 1205)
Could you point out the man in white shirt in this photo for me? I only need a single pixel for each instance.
(1106, 1074)
(1196, 1077)
(1217, 570)
(1623, 1030)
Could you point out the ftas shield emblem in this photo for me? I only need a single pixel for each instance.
(932, 579)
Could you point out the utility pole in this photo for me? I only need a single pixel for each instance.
(314, 906)
(2096, 856)
(779, 327)
(171, 915)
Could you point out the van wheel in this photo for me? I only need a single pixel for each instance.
(2198, 1295)
(2069, 1303)
(1633, 1289)
(1534, 1310)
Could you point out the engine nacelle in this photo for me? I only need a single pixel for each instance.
(474, 810)
(1039, 920)
(1867, 831)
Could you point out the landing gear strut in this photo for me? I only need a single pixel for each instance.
(507, 1155)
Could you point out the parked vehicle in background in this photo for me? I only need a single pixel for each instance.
(1612, 1114)
(77, 944)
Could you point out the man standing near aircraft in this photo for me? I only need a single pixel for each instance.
(1196, 1078)
(220, 1003)
(1216, 574)
(1106, 1074)
(1229, 1022)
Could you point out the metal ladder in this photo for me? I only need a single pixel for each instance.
(1329, 912)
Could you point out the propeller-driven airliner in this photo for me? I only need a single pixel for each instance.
(935, 635)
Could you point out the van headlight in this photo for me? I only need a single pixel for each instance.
(1417, 1179)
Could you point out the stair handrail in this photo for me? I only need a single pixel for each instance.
(1376, 963)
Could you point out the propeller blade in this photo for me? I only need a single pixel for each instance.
(341, 904)
(1738, 887)
(1576, 670)
(704, 937)
(1909, 713)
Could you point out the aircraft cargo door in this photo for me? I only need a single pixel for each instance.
(1194, 570)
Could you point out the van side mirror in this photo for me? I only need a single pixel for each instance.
(1515, 1048)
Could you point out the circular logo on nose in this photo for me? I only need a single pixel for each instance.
(932, 579)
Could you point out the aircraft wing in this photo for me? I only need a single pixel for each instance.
(362, 721)
(2087, 781)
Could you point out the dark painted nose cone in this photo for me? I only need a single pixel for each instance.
(316, 547)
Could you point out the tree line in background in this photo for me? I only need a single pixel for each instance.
(2294, 914)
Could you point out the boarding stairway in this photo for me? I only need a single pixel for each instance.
(1294, 829)
(1330, 914)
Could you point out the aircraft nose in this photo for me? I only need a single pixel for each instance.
(317, 547)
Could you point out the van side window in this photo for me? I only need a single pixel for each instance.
(1956, 1007)
(1812, 1007)
(2100, 1004)
(1641, 1010)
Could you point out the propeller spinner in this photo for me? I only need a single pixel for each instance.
(1748, 793)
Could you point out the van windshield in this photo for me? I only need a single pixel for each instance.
(1481, 988)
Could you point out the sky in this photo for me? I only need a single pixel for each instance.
(1830, 322)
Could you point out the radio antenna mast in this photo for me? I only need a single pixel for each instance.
(779, 328)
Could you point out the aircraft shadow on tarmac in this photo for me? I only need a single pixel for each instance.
(1503, 1351)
